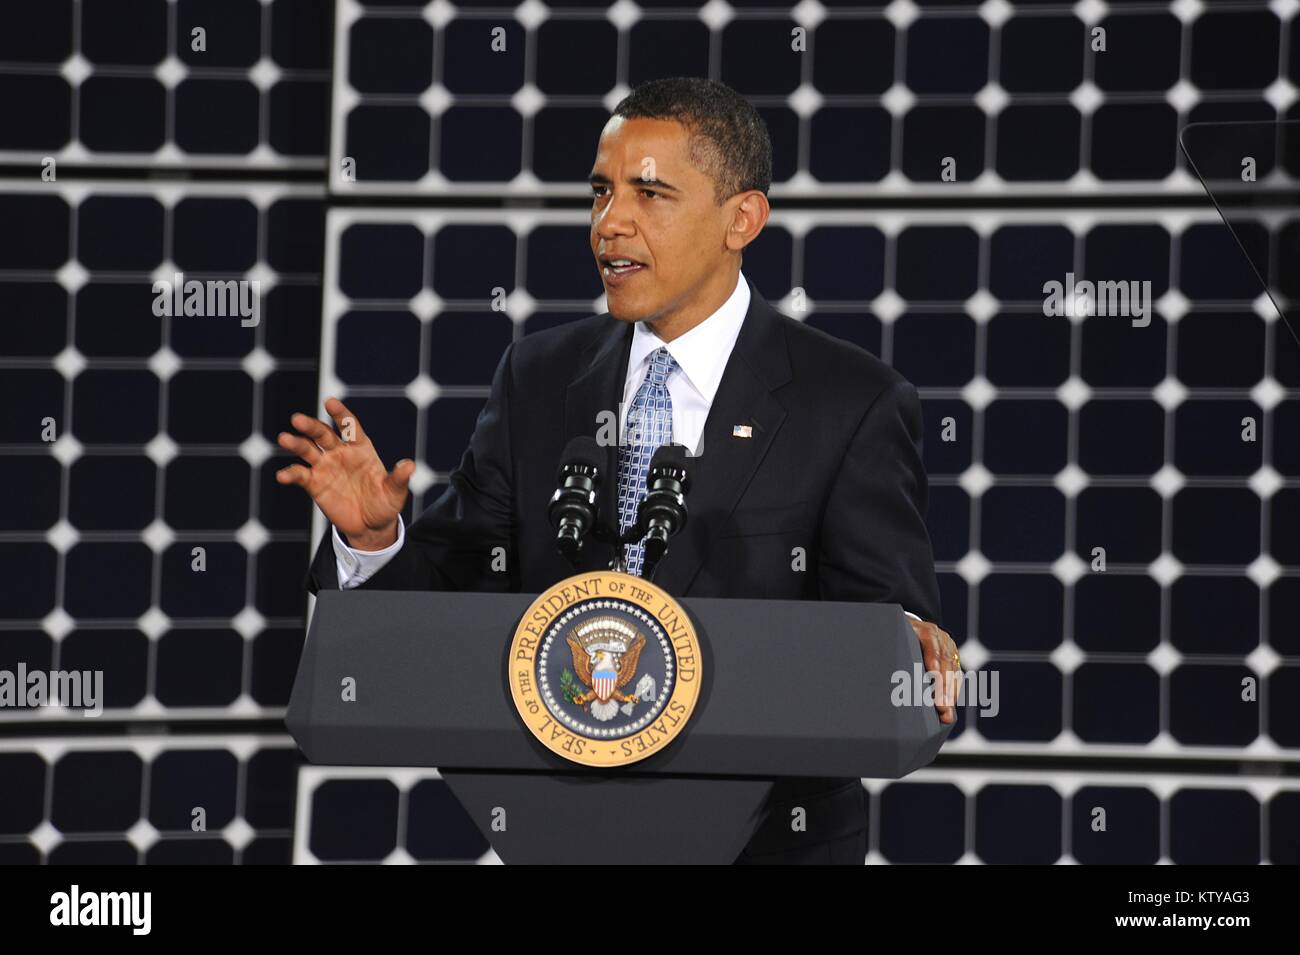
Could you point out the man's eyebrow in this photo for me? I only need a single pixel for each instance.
(596, 179)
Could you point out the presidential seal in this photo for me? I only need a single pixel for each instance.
(604, 669)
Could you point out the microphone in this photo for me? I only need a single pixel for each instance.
(572, 510)
(663, 511)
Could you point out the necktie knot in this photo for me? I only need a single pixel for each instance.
(662, 364)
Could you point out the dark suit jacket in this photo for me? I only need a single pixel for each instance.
(833, 466)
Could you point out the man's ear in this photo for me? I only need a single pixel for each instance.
(749, 214)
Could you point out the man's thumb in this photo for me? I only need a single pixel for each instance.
(402, 472)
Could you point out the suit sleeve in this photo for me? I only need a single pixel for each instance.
(875, 545)
(465, 540)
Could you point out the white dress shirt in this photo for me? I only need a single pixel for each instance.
(701, 354)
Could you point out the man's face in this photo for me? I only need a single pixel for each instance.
(651, 205)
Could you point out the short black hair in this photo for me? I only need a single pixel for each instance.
(728, 140)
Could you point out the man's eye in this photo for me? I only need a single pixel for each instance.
(649, 192)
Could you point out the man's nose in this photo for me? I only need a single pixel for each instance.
(616, 218)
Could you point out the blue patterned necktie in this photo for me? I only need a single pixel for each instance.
(649, 425)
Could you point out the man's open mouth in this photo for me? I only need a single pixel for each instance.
(619, 265)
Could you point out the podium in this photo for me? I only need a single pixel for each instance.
(790, 688)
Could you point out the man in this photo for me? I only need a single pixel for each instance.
(807, 447)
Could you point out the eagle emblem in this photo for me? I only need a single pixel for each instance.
(606, 651)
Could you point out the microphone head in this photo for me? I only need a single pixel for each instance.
(583, 450)
(670, 456)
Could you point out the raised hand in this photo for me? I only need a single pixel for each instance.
(345, 477)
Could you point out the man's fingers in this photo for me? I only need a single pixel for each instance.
(400, 476)
(300, 446)
(349, 426)
(315, 429)
(294, 474)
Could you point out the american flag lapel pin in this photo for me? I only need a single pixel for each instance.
(742, 431)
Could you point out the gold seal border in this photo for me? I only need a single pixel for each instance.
(521, 666)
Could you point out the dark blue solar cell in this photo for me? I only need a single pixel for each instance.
(29, 572)
(121, 655)
(267, 850)
(1115, 825)
(922, 823)
(1284, 828)
(279, 590)
(1284, 519)
(483, 143)
(1024, 257)
(861, 330)
(97, 791)
(389, 142)
(1213, 827)
(1116, 612)
(559, 264)
(1218, 437)
(472, 261)
(232, 32)
(937, 262)
(210, 407)
(199, 667)
(205, 492)
(1283, 611)
(1038, 142)
(182, 781)
(1143, 52)
(659, 48)
(757, 57)
(853, 55)
(217, 116)
(37, 233)
(278, 506)
(22, 798)
(216, 591)
(953, 596)
(948, 519)
(1125, 521)
(94, 852)
(99, 397)
(120, 233)
(1220, 350)
(378, 348)
(541, 321)
(1028, 700)
(1027, 350)
(353, 820)
(381, 261)
(390, 55)
(271, 788)
(295, 236)
(949, 425)
(390, 425)
(1021, 612)
(291, 321)
(126, 32)
(934, 134)
(1212, 266)
(275, 659)
(283, 393)
(483, 56)
(35, 112)
(302, 34)
(299, 117)
(448, 425)
(947, 54)
(1216, 525)
(1115, 703)
(213, 335)
(122, 114)
(1018, 825)
(214, 235)
(933, 349)
(1214, 615)
(767, 263)
(1116, 353)
(36, 482)
(1041, 54)
(850, 143)
(1227, 47)
(1022, 523)
(36, 32)
(560, 72)
(190, 852)
(35, 649)
(565, 138)
(1279, 695)
(783, 129)
(1025, 436)
(116, 320)
(1128, 253)
(1206, 706)
(1134, 141)
(111, 492)
(465, 347)
(30, 396)
(437, 827)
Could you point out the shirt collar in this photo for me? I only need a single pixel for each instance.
(703, 351)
